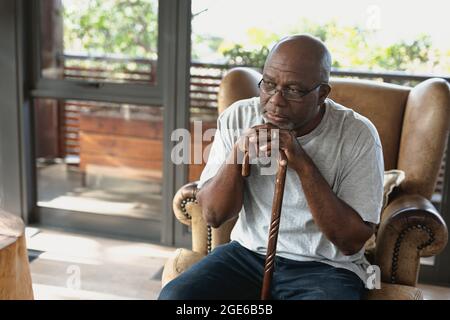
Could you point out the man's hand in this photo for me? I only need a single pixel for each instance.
(259, 141)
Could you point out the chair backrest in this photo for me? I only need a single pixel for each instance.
(383, 104)
(238, 84)
(412, 122)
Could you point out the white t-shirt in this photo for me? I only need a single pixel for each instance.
(346, 149)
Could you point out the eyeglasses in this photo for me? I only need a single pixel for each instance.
(288, 93)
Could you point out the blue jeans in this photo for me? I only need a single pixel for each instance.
(233, 272)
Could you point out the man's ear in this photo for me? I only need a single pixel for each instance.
(324, 91)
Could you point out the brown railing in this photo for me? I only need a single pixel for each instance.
(110, 69)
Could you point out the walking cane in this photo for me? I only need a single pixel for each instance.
(275, 219)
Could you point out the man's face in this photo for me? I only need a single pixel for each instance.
(286, 69)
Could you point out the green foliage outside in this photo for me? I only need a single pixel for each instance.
(352, 47)
(213, 44)
(237, 55)
(112, 27)
(129, 28)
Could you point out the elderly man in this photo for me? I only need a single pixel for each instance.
(332, 197)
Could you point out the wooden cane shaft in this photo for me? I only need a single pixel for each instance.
(274, 226)
(246, 160)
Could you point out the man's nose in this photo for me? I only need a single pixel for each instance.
(278, 99)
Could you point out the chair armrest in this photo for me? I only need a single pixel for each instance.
(410, 228)
(184, 199)
(189, 212)
(181, 260)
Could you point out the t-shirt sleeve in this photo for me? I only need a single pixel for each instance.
(218, 153)
(361, 183)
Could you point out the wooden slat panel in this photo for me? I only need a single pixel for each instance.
(208, 100)
(87, 158)
(71, 127)
(73, 76)
(204, 84)
(195, 170)
(121, 127)
(197, 76)
(135, 148)
(92, 70)
(209, 92)
(124, 172)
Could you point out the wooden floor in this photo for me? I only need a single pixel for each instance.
(70, 266)
(63, 187)
(108, 269)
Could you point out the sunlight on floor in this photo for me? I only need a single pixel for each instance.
(72, 266)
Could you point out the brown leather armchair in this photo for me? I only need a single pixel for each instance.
(413, 125)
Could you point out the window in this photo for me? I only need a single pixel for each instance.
(100, 40)
(99, 157)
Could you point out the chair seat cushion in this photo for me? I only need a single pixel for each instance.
(392, 179)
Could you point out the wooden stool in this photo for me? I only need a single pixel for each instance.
(15, 277)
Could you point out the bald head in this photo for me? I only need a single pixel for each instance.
(307, 49)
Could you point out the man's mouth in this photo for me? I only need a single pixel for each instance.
(276, 117)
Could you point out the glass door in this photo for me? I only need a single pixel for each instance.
(103, 107)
